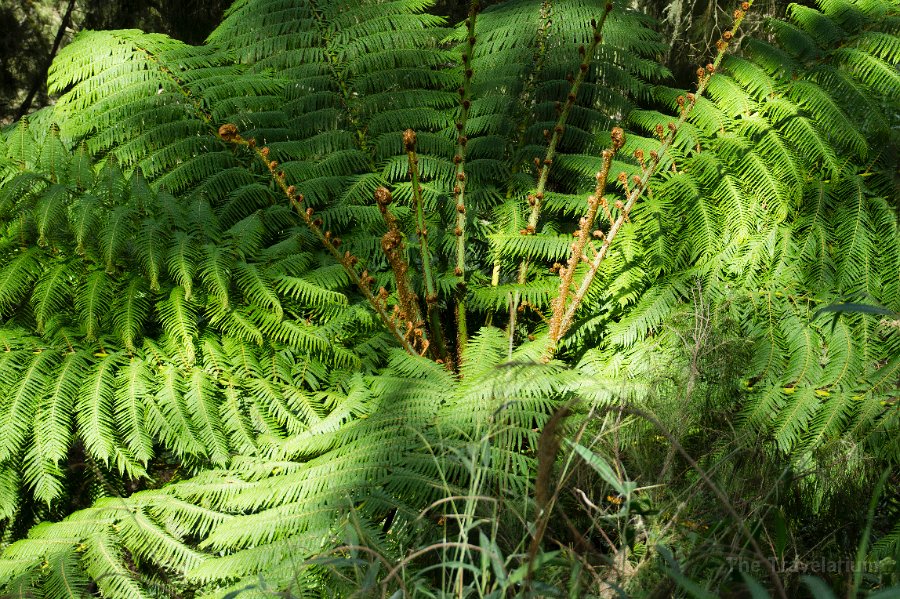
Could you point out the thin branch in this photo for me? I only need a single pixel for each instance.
(42, 75)
(395, 250)
(587, 55)
(535, 200)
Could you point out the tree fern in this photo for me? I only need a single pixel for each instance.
(193, 272)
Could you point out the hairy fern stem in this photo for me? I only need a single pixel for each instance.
(363, 281)
(564, 109)
(563, 311)
(459, 189)
(435, 327)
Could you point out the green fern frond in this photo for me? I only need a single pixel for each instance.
(16, 277)
(20, 404)
(168, 417)
(95, 409)
(52, 424)
(52, 294)
(257, 288)
(93, 301)
(133, 385)
(151, 245)
(182, 262)
(49, 215)
(215, 272)
(179, 318)
(202, 401)
(130, 312)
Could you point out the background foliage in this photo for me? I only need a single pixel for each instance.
(30, 28)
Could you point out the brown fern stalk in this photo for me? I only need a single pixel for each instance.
(431, 295)
(363, 281)
(563, 311)
(548, 447)
(407, 310)
(535, 200)
(584, 234)
(459, 189)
